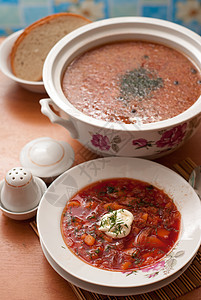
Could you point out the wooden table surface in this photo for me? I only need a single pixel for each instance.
(24, 271)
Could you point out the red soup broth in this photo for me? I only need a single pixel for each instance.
(154, 230)
(132, 81)
(129, 81)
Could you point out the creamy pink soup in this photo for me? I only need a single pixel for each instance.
(132, 81)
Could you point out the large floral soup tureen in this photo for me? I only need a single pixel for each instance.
(109, 138)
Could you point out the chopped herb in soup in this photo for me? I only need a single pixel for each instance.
(129, 81)
(120, 224)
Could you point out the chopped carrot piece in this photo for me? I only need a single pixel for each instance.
(117, 206)
(145, 216)
(163, 233)
(108, 206)
(146, 255)
(74, 203)
(153, 241)
(126, 265)
(83, 236)
(89, 240)
(113, 206)
(168, 205)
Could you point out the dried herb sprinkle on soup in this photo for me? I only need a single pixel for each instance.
(133, 80)
(139, 83)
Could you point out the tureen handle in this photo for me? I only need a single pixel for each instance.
(48, 107)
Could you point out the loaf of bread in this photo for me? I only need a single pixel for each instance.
(33, 45)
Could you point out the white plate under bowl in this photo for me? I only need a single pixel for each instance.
(5, 66)
(109, 290)
(65, 186)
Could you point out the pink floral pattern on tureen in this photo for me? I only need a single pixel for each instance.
(168, 139)
(172, 137)
(100, 141)
(103, 143)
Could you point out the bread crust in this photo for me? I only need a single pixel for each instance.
(37, 24)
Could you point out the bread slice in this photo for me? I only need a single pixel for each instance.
(33, 45)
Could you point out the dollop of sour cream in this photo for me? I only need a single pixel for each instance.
(116, 224)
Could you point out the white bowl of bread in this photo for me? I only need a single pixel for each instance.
(5, 65)
(22, 54)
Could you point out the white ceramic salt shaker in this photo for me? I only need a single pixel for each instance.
(20, 191)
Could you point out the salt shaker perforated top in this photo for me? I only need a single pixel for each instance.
(18, 177)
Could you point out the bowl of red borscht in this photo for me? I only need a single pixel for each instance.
(127, 86)
(120, 222)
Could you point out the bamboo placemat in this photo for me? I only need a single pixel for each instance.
(188, 281)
